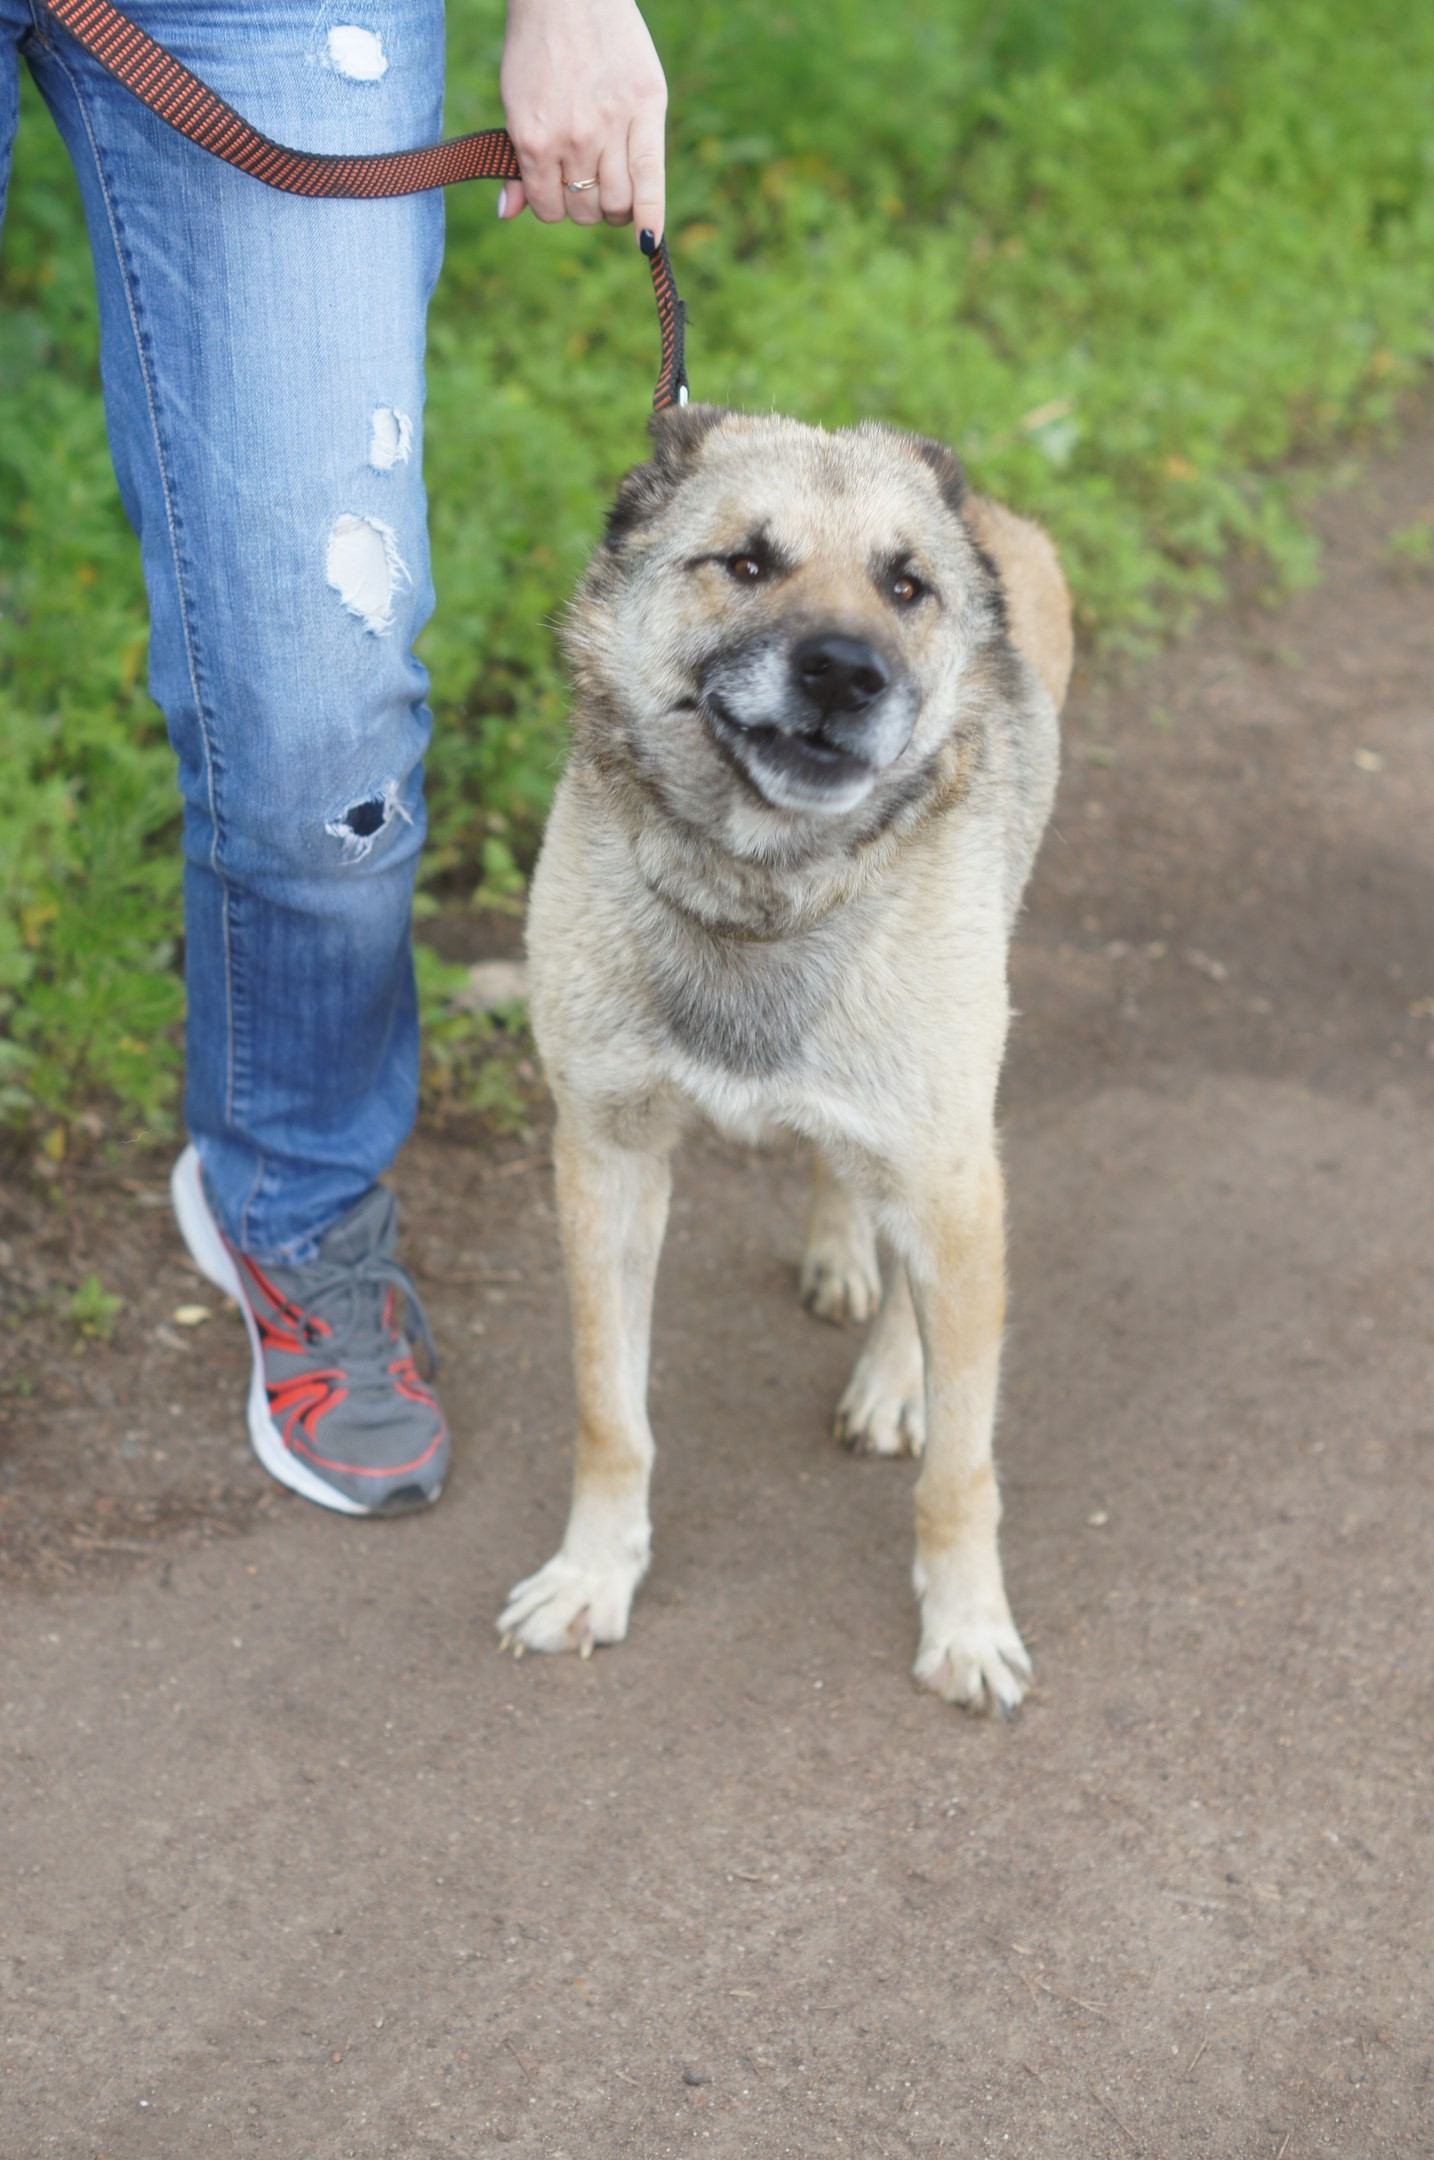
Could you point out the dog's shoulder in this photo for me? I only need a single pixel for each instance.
(1037, 599)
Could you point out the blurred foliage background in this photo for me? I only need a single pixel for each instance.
(1146, 263)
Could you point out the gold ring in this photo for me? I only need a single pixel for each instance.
(580, 187)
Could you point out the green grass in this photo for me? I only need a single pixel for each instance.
(1410, 548)
(92, 1310)
(1145, 265)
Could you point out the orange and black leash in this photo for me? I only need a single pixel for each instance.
(179, 98)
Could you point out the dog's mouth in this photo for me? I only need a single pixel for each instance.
(790, 771)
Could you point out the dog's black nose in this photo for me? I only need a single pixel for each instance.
(839, 674)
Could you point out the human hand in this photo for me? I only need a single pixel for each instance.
(585, 99)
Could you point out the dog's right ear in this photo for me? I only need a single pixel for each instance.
(677, 438)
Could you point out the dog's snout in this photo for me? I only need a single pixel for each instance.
(839, 674)
(821, 710)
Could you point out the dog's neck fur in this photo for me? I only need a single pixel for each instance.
(743, 900)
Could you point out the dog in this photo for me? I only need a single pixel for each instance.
(815, 745)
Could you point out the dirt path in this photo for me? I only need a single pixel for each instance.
(294, 1862)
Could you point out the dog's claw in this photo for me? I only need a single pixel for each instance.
(982, 1666)
(846, 1295)
(566, 1606)
(872, 1421)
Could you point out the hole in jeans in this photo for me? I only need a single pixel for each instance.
(357, 53)
(365, 569)
(360, 825)
(390, 438)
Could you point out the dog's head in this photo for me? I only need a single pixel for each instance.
(775, 634)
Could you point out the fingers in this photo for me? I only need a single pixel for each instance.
(615, 185)
(629, 187)
(542, 181)
(544, 186)
(585, 206)
(646, 168)
(585, 99)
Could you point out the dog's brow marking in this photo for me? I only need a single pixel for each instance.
(365, 569)
(777, 561)
(357, 53)
(361, 824)
(390, 438)
(901, 561)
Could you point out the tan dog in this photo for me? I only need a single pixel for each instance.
(815, 749)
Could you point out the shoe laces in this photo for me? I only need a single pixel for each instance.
(335, 1293)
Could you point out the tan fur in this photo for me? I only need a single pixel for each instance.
(1036, 593)
(776, 892)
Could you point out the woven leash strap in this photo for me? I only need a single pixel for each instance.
(178, 97)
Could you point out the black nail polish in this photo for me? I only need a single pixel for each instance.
(647, 240)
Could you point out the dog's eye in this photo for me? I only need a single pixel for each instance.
(904, 588)
(745, 569)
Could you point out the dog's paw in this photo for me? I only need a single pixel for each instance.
(839, 1287)
(978, 1661)
(840, 1281)
(883, 1408)
(566, 1606)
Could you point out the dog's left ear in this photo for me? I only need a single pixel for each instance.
(677, 438)
(950, 476)
(679, 433)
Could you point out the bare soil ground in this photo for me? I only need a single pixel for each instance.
(296, 1862)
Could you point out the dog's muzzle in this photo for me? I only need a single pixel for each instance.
(838, 679)
(812, 723)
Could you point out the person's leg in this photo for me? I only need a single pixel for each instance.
(14, 24)
(263, 371)
(263, 366)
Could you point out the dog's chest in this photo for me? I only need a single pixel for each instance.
(744, 1008)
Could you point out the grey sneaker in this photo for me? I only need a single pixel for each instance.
(337, 1410)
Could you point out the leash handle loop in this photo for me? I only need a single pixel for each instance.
(179, 98)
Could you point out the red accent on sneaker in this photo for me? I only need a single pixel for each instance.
(283, 1306)
(389, 1470)
(277, 1338)
(307, 1398)
(408, 1383)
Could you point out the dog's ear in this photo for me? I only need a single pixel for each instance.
(677, 438)
(950, 477)
(679, 433)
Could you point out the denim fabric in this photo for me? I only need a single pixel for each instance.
(263, 379)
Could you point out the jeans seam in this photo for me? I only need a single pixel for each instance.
(251, 1197)
(201, 711)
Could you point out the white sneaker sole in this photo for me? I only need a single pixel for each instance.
(211, 1256)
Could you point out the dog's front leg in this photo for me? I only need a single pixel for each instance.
(969, 1652)
(840, 1279)
(883, 1406)
(612, 1205)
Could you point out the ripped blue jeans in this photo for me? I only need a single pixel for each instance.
(263, 383)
